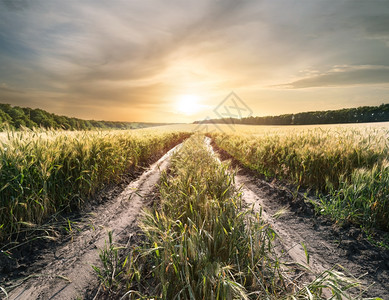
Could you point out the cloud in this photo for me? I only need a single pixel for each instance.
(139, 54)
(377, 27)
(6, 88)
(344, 76)
(14, 5)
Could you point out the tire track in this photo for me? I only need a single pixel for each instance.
(362, 260)
(70, 275)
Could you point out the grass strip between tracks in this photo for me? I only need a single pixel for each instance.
(200, 242)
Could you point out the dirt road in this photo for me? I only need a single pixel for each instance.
(68, 273)
(327, 244)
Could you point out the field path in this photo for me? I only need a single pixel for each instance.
(68, 274)
(327, 245)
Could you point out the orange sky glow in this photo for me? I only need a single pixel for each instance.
(175, 61)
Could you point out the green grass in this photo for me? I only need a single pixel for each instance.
(347, 167)
(363, 198)
(200, 242)
(45, 172)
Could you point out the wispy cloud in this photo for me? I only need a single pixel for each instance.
(344, 76)
(138, 55)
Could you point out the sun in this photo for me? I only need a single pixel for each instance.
(188, 104)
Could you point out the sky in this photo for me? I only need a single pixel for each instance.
(177, 60)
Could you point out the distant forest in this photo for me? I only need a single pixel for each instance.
(361, 114)
(17, 117)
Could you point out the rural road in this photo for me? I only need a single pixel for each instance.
(326, 244)
(69, 274)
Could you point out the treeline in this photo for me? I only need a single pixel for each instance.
(349, 115)
(17, 117)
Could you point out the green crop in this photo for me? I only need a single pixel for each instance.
(200, 242)
(44, 172)
(346, 166)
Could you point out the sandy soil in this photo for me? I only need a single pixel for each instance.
(327, 244)
(66, 271)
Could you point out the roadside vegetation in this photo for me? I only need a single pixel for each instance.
(200, 242)
(347, 167)
(44, 172)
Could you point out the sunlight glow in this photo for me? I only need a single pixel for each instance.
(188, 104)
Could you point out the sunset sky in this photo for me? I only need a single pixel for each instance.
(176, 60)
